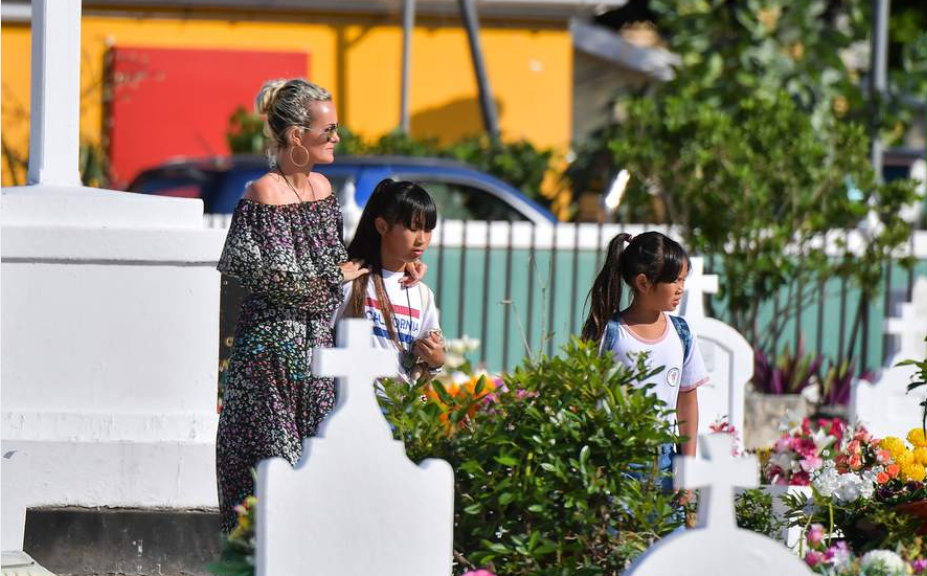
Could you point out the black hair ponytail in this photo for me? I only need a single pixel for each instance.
(657, 256)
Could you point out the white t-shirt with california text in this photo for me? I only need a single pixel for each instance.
(414, 313)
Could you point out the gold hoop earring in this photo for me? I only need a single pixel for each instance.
(299, 164)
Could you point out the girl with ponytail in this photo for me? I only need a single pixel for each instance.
(654, 267)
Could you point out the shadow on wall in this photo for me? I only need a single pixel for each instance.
(452, 121)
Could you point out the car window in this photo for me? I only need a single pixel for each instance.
(190, 185)
(462, 202)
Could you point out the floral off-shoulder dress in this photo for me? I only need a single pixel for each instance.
(288, 256)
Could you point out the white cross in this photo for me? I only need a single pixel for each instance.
(717, 474)
(356, 364)
(911, 327)
(697, 285)
(54, 139)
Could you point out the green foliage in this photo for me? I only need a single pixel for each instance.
(865, 524)
(918, 380)
(543, 463)
(757, 184)
(755, 512)
(245, 132)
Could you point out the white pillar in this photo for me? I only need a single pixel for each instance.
(54, 142)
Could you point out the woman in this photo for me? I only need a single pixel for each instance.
(285, 245)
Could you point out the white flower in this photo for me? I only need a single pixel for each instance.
(882, 562)
(470, 344)
(790, 423)
(825, 482)
(849, 488)
(453, 359)
(869, 482)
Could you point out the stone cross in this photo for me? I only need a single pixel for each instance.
(54, 139)
(357, 363)
(697, 285)
(718, 474)
(911, 326)
(355, 504)
(717, 546)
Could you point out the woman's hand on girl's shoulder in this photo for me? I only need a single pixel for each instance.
(352, 269)
(415, 271)
(321, 185)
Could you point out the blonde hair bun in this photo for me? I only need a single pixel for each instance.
(264, 102)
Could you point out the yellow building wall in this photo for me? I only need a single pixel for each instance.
(358, 59)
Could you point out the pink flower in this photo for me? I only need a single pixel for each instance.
(919, 566)
(813, 558)
(806, 447)
(816, 534)
(480, 572)
(854, 447)
(884, 456)
(800, 479)
(838, 554)
(783, 444)
(811, 463)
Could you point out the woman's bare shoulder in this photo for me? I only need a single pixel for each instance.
(265, 190)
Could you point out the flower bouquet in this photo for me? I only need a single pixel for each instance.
(872, 493)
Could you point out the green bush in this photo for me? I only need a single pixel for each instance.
(541, 462)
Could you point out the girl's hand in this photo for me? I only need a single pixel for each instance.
(431, 349)
(415, 271)
(351, 270)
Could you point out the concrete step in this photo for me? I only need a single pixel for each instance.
(133, 542)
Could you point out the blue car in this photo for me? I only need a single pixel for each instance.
(460, 191)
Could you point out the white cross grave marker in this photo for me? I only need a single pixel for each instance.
(885, 406)
(718, 474)
(717, 545)
(355, 504)
(911, 326)
(697, 285)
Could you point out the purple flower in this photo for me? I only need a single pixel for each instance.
(480, 572)
(919, 565)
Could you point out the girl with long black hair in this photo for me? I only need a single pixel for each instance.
(393, 233)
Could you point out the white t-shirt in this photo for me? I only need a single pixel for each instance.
(412, 318)
(679, 374)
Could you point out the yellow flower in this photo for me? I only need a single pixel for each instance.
(894, 445)
(920, 455)
(917, 438)
(914, 472)
(905, 458)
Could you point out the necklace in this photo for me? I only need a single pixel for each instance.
(407, 356)
(293, 188)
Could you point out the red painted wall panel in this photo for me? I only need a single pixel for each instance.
(177, 102)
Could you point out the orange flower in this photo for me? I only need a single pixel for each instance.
(856, 461)
(893, 470)
(884, 456)
(882, 478)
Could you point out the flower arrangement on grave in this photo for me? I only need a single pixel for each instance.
(872, 492)
(543, 462)
(835, 558)
(801, 451)
(237, 558)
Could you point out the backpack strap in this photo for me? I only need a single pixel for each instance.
(685, 334)
(424, 294)
(609, 336)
